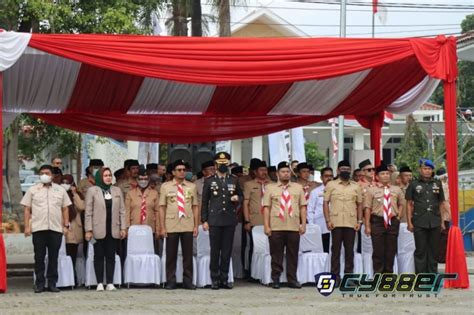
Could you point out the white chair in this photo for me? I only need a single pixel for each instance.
(204, 260)
(179, 265)
(406, 250)
(358, 264)
(367, 251)
(312, 258)
(142, 265)
(237, 253)
(90, 270)
(80, 266)
(65, 268)
(261, 259)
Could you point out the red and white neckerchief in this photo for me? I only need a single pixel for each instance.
(143, 209)
(180, 200)
(262, 192)
(285, 203)
(306, 192)
(387, 207)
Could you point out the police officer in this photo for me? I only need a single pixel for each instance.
(424, 197)
(221, 195)
(343, 214)
(382, 205)
(284, 222)
(179, 223)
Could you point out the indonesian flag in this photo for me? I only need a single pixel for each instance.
(335, 146)
(381, 11)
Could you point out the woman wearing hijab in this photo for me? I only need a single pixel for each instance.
(76, 234)
(105, 222)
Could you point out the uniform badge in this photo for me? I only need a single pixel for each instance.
(419, 188)
(435, 188)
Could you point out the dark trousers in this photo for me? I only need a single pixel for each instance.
(384, 243)
(346, 236)
(43, 240)
(105, 248)
(326, 241)
(426, 249)
(443, 243)
(279, 240)
(221, 240)
(246, 239)
(172, 242)
(71, 251)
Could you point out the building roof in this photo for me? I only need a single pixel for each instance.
(430, 106)
(465, 44)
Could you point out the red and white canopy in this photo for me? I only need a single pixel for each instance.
(139, 87)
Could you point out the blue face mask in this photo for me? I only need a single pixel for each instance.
(188, 176)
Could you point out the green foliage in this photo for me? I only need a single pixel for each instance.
(314, 156)
(414, 145)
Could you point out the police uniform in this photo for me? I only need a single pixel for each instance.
(221, 215)
(133, 213)
(427, 196)
(178, 228)
(285, 222)
(384, 235)
(343, 198)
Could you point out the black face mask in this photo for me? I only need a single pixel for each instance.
(344, 175)
(223, 168)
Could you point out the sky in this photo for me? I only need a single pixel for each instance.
(322, 19)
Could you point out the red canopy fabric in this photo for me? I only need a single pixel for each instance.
(175, 89)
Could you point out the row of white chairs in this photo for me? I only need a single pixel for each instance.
(143, 266)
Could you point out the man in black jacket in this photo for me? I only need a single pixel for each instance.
(220, 197)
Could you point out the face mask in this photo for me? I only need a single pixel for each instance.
(311, 178)
(143, 183)
(223, 168)
(344, 175)
(94, 171)
(45, 179)
(188, 176)
(66, 186)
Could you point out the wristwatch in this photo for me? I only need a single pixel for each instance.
(360, 221)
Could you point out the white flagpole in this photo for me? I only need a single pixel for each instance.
(340, 152)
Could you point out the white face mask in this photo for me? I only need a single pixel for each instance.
(143, 183)
(66, 186)
(311, 178)
(94, 171)
(45, 179)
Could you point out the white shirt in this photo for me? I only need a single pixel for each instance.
(315, 209)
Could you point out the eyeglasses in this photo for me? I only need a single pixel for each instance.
(369, 169)
(180, 170)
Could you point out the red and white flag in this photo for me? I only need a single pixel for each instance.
(381, 11)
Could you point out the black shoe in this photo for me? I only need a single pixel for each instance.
(215, 285)
(276, 284)
(39, 289)
(170, 286)
(226, 285)
(294, 285)
(189, 287)
(53, 289)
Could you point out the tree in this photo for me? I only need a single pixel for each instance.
(314, 156)
(414, 145)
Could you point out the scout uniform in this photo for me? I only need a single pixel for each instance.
(46, 203)
(142, 207)
(285, 204)
(384, 203)
(343, 198)
(220, 212)
(308, 186)
(179, 225)
(88, 182)
(427, 196)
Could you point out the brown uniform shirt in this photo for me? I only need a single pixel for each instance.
(374, 199)
(125, 186)
(83, 185)
(168, 195)
(133, 205)
(244, 179)
(343, 199)
(271, 199)
(403, 215)
(253, 195)
(76, 234)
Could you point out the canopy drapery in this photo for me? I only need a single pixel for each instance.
(183, 90)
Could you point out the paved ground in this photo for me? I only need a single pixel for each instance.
(245, 298)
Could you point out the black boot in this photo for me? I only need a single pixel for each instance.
(276, 284)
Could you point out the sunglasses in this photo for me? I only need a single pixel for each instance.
(369, 169)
